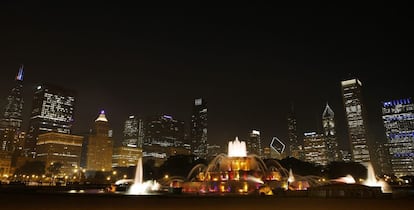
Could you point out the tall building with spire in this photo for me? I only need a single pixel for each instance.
(329, 134)
(356, 120)
(52, 110)
(100, 145)
(199, 128)
(295, 148)
(11, 117)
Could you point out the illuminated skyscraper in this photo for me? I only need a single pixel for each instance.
(131, 149)
(329, 134)
(254, 146)
(199, 128)
(398, 118)
(60, 148)
(11, 117)
(356, 120)
(295, 149)
(164, 137)
(214, 150)
(52, 110)
(5, 163)
(100, 146)
(164, 130)
(133, 130)
(314, 148)
(125, 156)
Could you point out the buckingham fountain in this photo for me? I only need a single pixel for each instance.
(240, 173)
(234, 172)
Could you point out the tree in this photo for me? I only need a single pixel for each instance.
(180, 165)
(340, 169)
(54, 168)
(301, 167)
(31, 167)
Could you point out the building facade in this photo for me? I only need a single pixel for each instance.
(345, 156)
(11, 117)
(398, 119)
(295, 148)
(132, 132)
(267, 153)
(5, 164)
(214, 150)
(253, 144)
(199, 128)
(65, 149)
(164, 137)
(314, 147)
(356, 120)
(125, 156)
(52, 111)
(329, 134)
(100, 146)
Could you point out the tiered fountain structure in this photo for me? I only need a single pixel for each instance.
(235, 172)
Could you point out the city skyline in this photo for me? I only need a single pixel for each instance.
(248, 69)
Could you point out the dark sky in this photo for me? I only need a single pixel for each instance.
(248, 63)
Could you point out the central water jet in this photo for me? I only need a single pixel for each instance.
(139, 187)
(237, 148)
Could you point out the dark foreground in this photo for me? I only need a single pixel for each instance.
(63, 201)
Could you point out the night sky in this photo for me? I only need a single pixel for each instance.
(250, 64)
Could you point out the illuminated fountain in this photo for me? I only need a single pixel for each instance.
(348, 179)
(235, 172)
(291, 178)
(237, 148)
(372, 181)
(139, 187)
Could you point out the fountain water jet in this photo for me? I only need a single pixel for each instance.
(372, 181)
(291, 178)
(348, 179)
(139, 187)
(237, 148)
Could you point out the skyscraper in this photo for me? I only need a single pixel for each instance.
(295, 149)
(52, 110)
(60, 148)
(131, 132)
(164, 130)
(329, 134)
(164, 137)
(398, 118)
(100, 146)
(254, 146)
(125, 156)
(131, 149)
(11, 117)
(199, 128)
(356, 120)
(141, 133)
(314, 148)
